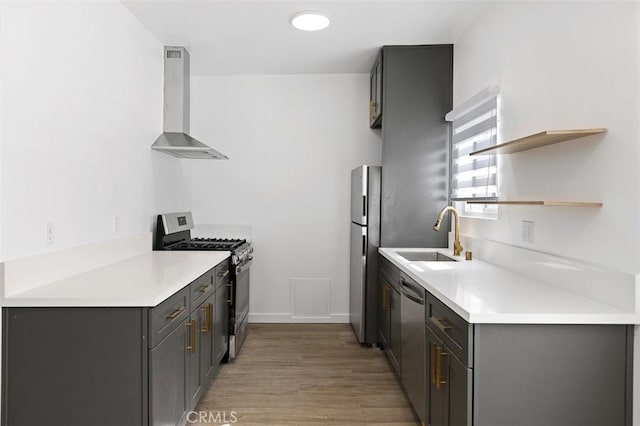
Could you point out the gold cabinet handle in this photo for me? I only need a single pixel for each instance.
(439, 354)
(372, 110)
(222, 276)
(385, 301)
(175, 314)
(210, 316)
(192, 335)
(433, 363)
(442, 324)
(204, 288)
(388, 297)
(230, 301)
(207, 309)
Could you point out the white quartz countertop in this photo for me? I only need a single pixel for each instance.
(144, 280)
(484, 293)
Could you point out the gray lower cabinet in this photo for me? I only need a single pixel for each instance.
(168, 364)
(384, 311)
(503, 374)
(389, 313)
(526, 374)
(555, 375)
(113, 366)
(200, 349)
(77, 366)
(449, 391)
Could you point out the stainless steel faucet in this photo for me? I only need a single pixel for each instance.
(457, 247)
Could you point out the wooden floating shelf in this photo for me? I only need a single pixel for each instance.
(543, 203)
(548, 137)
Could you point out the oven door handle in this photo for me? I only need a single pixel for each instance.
(243, 266)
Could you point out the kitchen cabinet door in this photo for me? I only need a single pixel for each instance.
(436, 389)
(417, 88)
(395, 335)
(449, 392)
(384, 311)
(196, 378)
(168, 367)
(375, 93)
(221, 325)
(460, 394)
(207, 340)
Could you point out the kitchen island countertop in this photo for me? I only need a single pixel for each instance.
(143, 280)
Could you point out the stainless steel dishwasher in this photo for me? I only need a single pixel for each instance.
(413, 344)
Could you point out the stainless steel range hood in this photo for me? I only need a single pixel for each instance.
(175, 139)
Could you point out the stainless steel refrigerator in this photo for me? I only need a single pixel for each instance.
(365, 240)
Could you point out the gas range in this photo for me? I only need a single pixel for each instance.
(216, 244)
(240, 249)
(173, 232)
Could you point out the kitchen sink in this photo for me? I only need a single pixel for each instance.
(425, 256)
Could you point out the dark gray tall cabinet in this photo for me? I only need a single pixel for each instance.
(417, 92)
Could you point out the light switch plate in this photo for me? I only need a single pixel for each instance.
(115, 224)
(528, 231)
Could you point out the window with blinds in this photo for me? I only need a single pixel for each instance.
(474, 127)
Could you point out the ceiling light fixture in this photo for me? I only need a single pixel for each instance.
(310, 21)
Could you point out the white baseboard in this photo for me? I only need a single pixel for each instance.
(288, 318)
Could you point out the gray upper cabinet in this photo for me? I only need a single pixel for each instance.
(114, 366)
(375, 93)
(417, 89)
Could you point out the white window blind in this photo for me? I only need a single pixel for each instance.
(474, 127)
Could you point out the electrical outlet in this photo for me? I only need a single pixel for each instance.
(528, 231)
(50, 233)
(115, 224)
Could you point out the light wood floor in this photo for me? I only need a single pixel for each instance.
(308, 374)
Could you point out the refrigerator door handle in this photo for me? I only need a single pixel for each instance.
(364, 245)
(364, 206)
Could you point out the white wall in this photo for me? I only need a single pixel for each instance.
(2, 205)
(562, 66)
(81, 104)
(292, 142)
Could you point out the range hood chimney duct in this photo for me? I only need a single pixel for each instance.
(175, 139)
